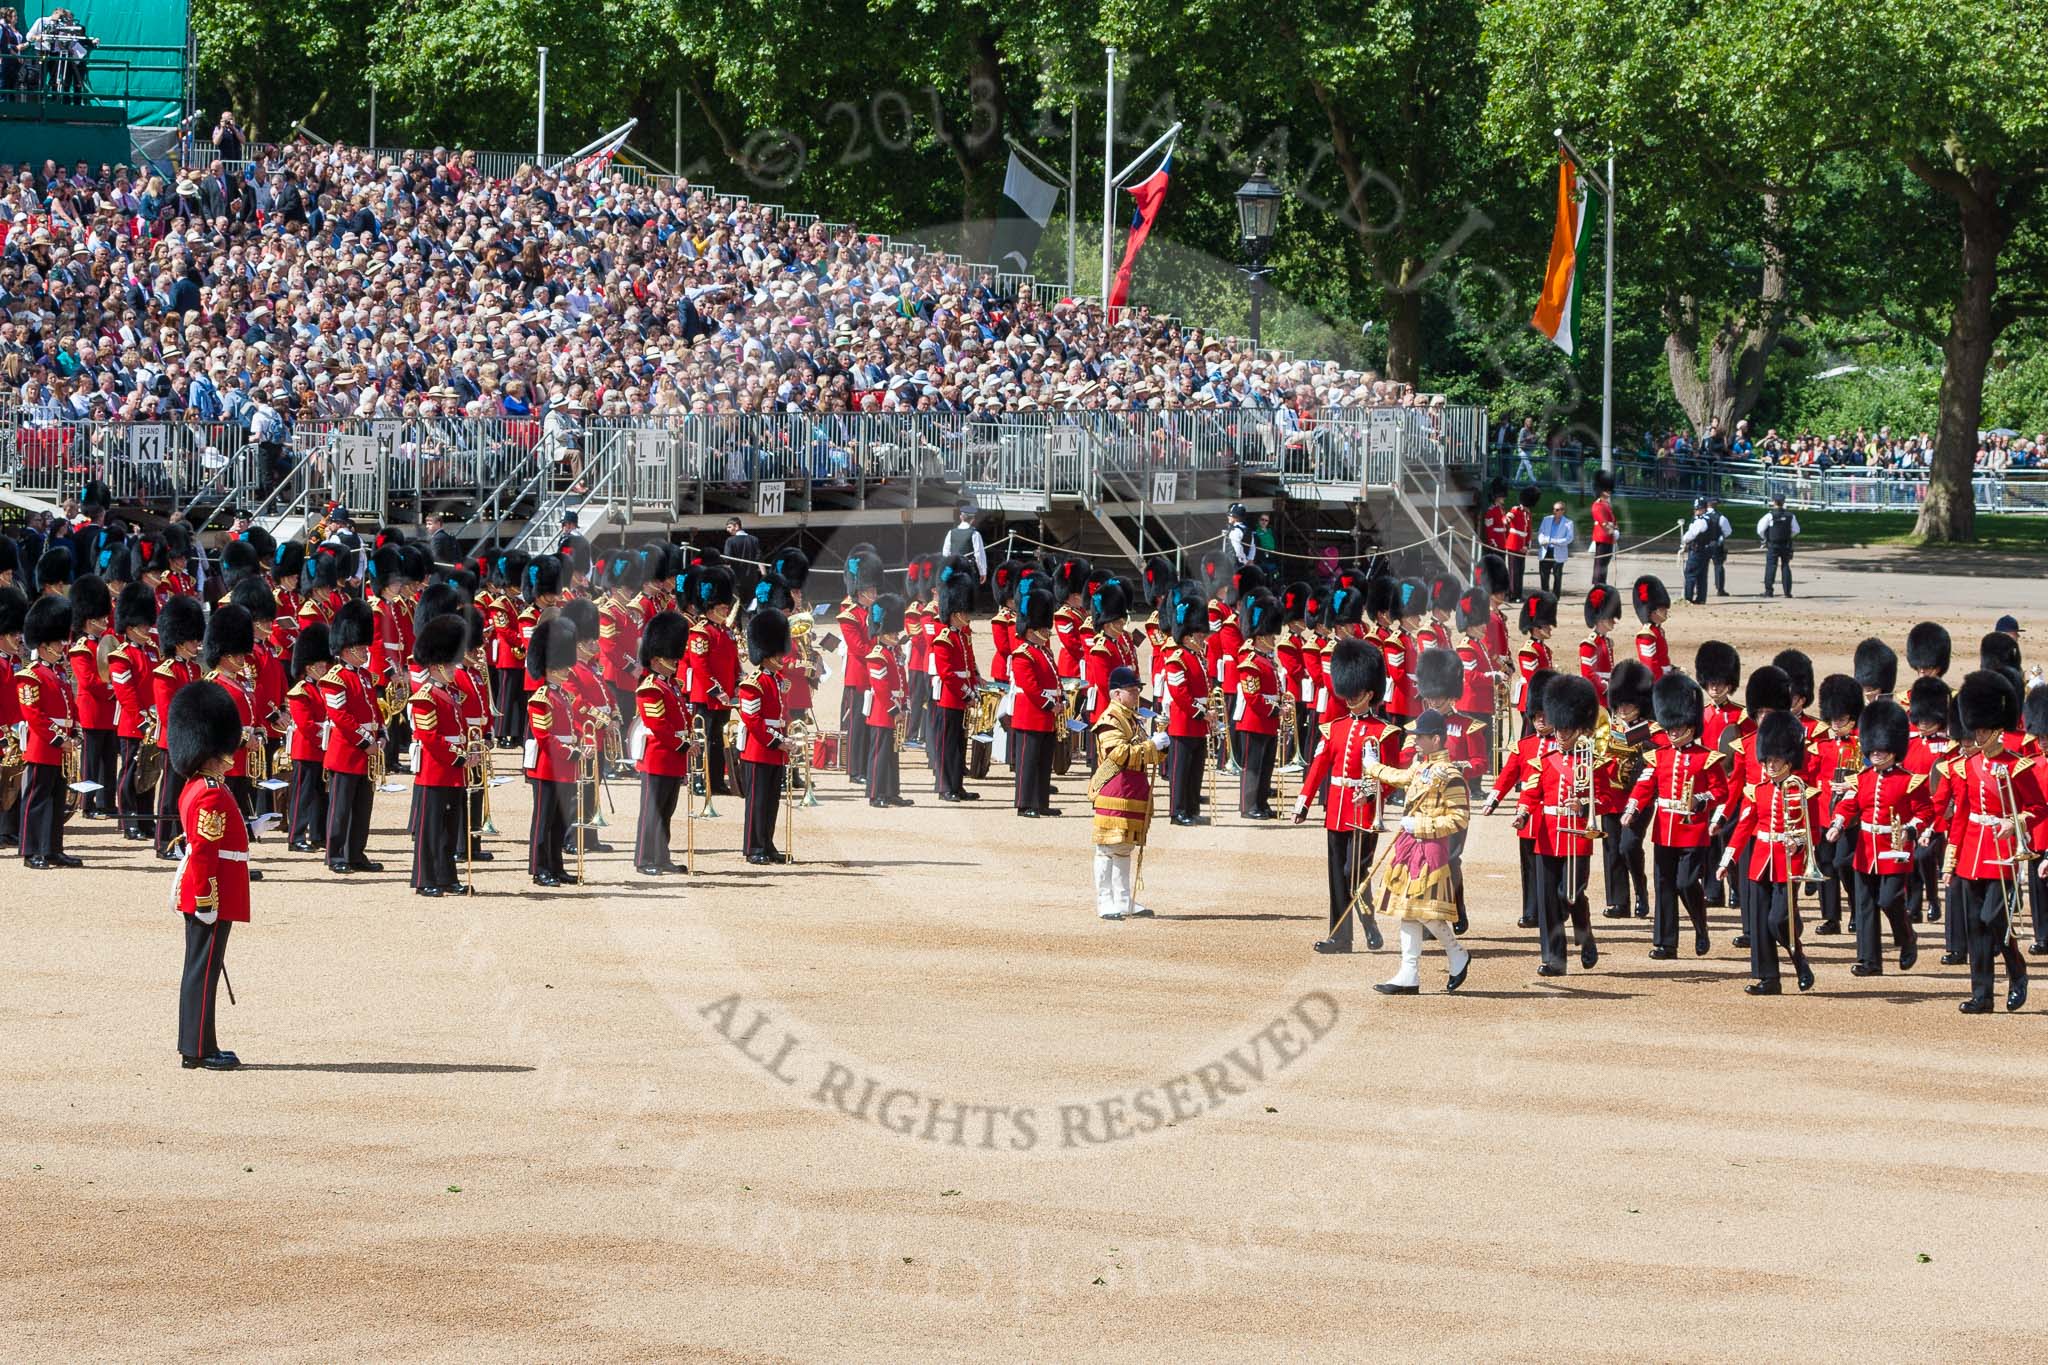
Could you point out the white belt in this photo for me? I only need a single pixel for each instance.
(1770, 838)
(1563, 811)
(1354, 782)
(1673, 806)
(230, 856)
(2001, 820)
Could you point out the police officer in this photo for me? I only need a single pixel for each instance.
(1698, 540)
(1720, 555)
(1776, 529)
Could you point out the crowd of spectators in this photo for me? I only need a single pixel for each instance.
(1671, 453)
(328, 282)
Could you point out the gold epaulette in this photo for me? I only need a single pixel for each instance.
(167, 669)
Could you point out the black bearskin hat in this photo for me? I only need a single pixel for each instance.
(885, 615)
(48, 623)
(767, 636)
(289, 560)
(1539, 609)
(793, 565)
(1841, 698)
(1294, 602)
(581, 614)
(230, 631)
(254, 596)
(1439, 675)
(327, 567)
(1881, 729)
(1877, 665)
(13, 610)
(712, 588)
(1602, 604)
(437, 599)
(1927, 646)
(863, 569)
(1070, 577)
(667, 637)
(1035, 604)
(1539, 683)
(956, 589)
(552, 648)
(1259, 615)
(1382, 597)
(54, 567)
(354, 627)
(2033, 711)
(1248, 579)
(542, 578)
(1998, 650)
(621, 571)
(136, 606)
(310, 648)
(1530, 496)
(1413, 599)
(1357, 669)
(387, 567)
(1159, 580)
(1650, 596)
(1678, 703)
(1927, 701)
(1780, 736)
(1473, 610)
(771, 591)
(1985, 701)
(1003, 578)
(1492, 575)
(1347, 605)
(238, 560)
(264, 543)
(1570, 703)
(1603, 482)
(10, 558)
(204, 724)
(1108, 602)
(1186, 612)
(1717, 662)
(90, 601)
(179, 621)
(1768, 689)
(1798, 671)
(443, 640)
(1629, 685)
(1443, 595)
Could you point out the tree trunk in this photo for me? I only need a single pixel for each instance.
(1682, 355)
(1404, 331)
(1739, 352)
(1950, 510)
(976, 144)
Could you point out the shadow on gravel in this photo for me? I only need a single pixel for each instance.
(1936, 560)
(391, 1068)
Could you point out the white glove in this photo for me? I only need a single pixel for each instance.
(1407, 824)
(1726, 859)
(1162, 742)
(206, 916)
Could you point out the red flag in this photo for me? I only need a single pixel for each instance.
(1149, 193)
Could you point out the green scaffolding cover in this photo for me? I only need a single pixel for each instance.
(150, 36)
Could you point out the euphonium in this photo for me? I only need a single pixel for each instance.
(12, 762)
(74, 760)
(149, 755)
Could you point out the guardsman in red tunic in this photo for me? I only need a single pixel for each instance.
(1287, 659)
(92, 612)
(1035, 691)
(1653, 608)
(1596, 651)
(352, 731)
(1717, 667)
(1493, 522)
(1834, 746)
(1516, 542)
(764, 739)
(1184, 697)
(312, 660)
(180, 633)
(441, 778)
(1539, 618)
(266, 677)
(714, 669)
(327, 571)
(1773, 838)
(49, 721)
(230, 643)
(1482, 676)
(1002, 627)
(1631, 734)
(1316, 644)
(1493, 579)
(1226, 645)
(885, 701)
(508, 646)
(1441, 631)
(956, 680)
(1382, 597)
(1160, 581)
(1998, 799)
(1928, 751)
(204, 727)
(1561, 804)
(1403, 653)
(1070, 582)
(919, 578)
(287, 566)
(1345, 611)
(618, 628)
(1889, 807)
(1109, 650)
(1257, 706)
(13, 615)
(863, 574)
(1351, 800)
(129, 672)
(550, 761)
(1683, 786)
(540, 586)
(664, 739)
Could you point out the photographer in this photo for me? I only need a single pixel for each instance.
(61, 43)
(228, 145)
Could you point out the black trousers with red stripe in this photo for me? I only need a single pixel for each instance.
(308, 804)
(206, 947)
(510, 688)
(554, 808)
(853, 730)
(349, 797)
(438, 842)
(762, 785)
(657, 813)
(949, 749)
(168, 827)
(45, 806)
(99, 761)
(129, 802)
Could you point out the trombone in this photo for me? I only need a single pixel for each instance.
(796, 744)
(587, 756)
(2013, 881)
(699, 765)
(1799, 831)
(476, 783)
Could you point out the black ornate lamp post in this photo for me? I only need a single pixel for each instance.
(1258, 209)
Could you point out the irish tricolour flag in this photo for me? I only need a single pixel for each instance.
(1575, 209)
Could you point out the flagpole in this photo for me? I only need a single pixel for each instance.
(1607, 344)
(1073, 183)
(1606, 188)
(1108, 167)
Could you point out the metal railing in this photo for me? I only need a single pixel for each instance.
(1849, 488)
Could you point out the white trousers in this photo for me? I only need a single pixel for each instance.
(1414, 933)
(1113, 878)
